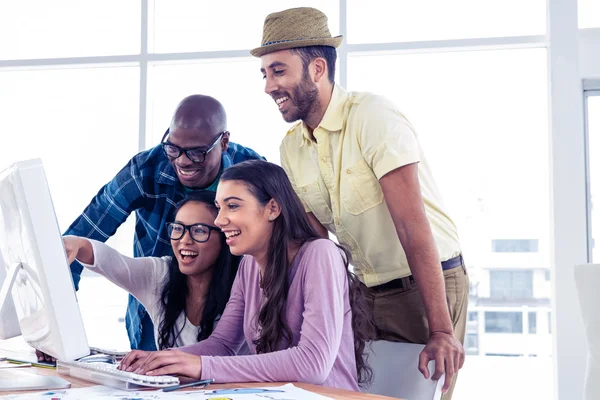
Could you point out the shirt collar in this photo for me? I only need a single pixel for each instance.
(334, 114)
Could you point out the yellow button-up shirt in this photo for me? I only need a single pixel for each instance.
(361, 138)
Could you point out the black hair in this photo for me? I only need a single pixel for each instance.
(175, 289)
(309, 53)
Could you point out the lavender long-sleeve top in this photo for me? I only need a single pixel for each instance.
(318, 313)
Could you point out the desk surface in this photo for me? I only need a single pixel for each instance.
(338, 394)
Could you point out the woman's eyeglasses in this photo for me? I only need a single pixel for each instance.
(198, 232)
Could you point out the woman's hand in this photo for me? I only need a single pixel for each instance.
(78, 248)
(167, 362)
(134, 360)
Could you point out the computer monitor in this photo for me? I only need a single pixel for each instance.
(35, 268)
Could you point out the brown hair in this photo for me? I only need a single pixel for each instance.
(268, 181)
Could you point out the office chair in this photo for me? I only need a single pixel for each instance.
(396, 373)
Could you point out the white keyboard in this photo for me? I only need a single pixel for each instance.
(108, 375)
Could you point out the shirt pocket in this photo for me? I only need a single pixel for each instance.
(313, 197)
(360, 189)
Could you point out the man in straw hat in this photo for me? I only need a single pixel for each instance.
(357, 165)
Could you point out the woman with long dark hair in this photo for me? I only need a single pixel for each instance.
(185, 295)
(294, 300)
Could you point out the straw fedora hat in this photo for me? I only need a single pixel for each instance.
(295, 27)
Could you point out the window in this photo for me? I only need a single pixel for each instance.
(169, 83)
(450, 99)
(515, 245)
(593, 133)
(472, 343)
(439, 19)
(589, 13)
(472, 316)
(192, 25)
(473, 288)
(68, 28)
(443, 97)
(532, 319)
(492, 100)
(503, 322)
(511, 284)
(83, 124)
(75, 117)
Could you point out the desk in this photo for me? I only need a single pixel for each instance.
(337, 394)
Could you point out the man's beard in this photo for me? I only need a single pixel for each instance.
(305, 98)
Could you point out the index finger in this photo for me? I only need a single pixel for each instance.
(130, 358)
(423, 364)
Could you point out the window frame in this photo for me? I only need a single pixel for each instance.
(591, 88)
(512, 292)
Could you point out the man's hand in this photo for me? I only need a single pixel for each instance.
(167, 362)
(43, 357)
(448, 354)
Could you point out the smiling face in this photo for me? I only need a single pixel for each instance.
(290, 86)
(196, 258)
(244, 220)
(197, 174)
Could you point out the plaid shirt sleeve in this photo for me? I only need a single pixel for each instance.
(108, 210)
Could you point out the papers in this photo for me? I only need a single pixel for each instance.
(285, 392)
(6, 364)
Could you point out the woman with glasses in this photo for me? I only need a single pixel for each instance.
(185, 294)
(293, 301)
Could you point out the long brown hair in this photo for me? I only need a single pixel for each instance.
(268, 181)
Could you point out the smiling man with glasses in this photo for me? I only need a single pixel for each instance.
(191, 156)
(193, 169)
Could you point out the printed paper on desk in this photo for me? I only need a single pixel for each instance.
(285, 392)
(6, 364)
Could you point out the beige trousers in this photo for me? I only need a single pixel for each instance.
(399, 313)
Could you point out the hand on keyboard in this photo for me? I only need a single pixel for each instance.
(166, 362)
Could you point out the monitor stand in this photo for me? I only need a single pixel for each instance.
(11, 380)
(9, 280)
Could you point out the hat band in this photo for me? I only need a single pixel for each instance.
(291, 40)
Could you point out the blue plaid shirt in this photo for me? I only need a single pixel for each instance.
(149, 186)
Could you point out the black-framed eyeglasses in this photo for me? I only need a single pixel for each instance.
(198, 232)
(195, 154)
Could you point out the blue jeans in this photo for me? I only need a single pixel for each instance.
(139, 326)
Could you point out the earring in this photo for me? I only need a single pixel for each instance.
(270, 218)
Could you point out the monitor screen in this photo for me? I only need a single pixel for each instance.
(31, 245)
